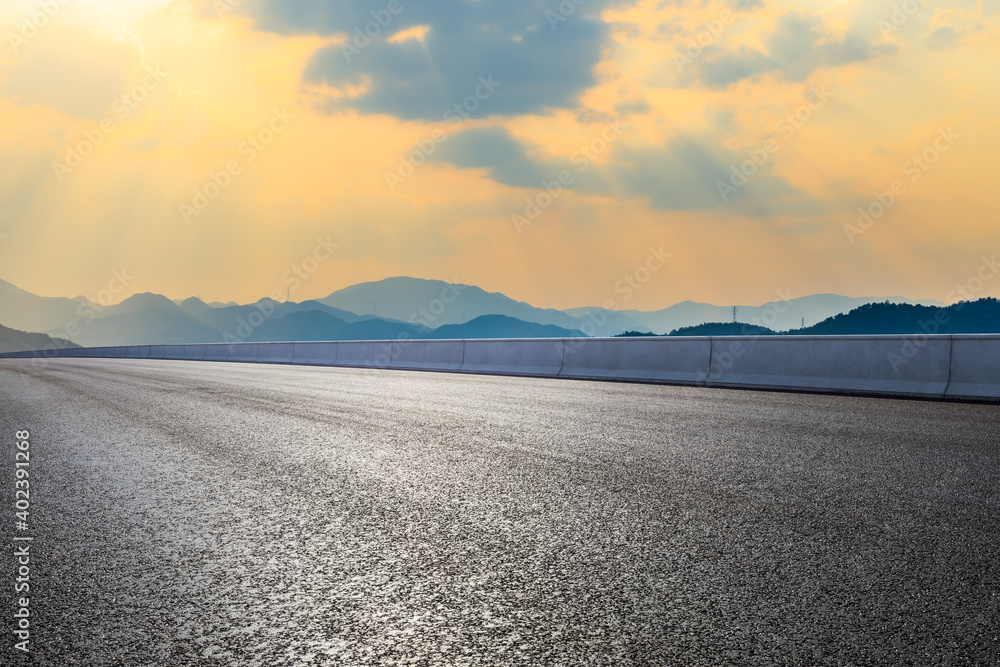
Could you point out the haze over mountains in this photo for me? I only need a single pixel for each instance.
(12, 340)
(20, 309)
(386, 309)
(402, 298)
(781, 315)
(435, 303)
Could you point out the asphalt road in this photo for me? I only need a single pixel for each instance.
(189, 513)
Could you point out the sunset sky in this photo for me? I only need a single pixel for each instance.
(206, 147)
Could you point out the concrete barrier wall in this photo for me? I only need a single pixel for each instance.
(364, 354)
(275, 353)
(173, 352)
(217, 352)
(137, 352)
(875, 364)
(975, 367)
(430, 355)
(314, 354)
(193, 352)
(963, 367)
(537, 357)
(683, 361)
(242, 352)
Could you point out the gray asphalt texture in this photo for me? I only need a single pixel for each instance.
(190, 513)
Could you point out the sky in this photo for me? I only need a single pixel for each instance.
(718, 151)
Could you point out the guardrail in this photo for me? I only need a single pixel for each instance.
(959, 367)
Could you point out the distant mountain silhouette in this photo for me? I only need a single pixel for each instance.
(724, 329)
(25, 311)
(982, 316)
(12, 340)
(339, 313)
(501, 326)
(378, 329)
(317, 325)
(238, 322)
(967, 317)
(409, 307)
(140, 302)
(777, 315)
(146, 319)
(300, 326)
(607, 322)
(194, 307)
(435, 303)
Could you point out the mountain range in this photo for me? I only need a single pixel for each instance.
(781, 315)
(12, 340)
(435, 303)
(403, 298)
(20, 309)
(966, 317)
(386, 309)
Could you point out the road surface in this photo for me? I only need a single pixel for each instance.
(188, 513)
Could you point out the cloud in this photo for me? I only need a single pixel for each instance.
(542, 55)
(799, 45)
(943, 38)
(719, 71)
(505, 158)
(639, 106)
(948, 37)
(682, 175)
